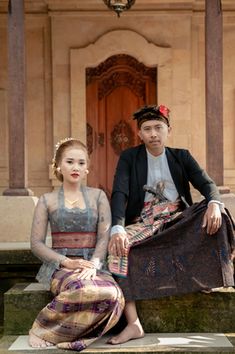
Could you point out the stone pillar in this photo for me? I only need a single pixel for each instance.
(214, 90)
(16, 100)
(17, 203)
(214, 99)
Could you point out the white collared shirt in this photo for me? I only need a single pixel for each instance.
(158, 171)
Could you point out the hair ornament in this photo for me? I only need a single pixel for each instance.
(164, 111)
(61, 142)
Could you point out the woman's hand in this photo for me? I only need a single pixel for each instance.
(87, 273)
(212, 219)
(79, 263)
(84, 268)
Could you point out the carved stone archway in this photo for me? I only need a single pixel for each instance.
(113, 43)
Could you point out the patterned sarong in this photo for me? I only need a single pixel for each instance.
(81, 312)
(180, 259)
(153, 217)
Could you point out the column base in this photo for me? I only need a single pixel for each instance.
(16, 218)
(224, 189)
(18, 192)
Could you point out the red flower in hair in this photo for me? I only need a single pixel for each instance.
(164, 111)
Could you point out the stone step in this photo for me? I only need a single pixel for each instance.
(22, 303)
(153, 343)
(199, 312)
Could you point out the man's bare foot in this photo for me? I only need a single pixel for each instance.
(131, 331)
(36, 342)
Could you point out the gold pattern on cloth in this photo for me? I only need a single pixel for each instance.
(73, 239)
(81, 312)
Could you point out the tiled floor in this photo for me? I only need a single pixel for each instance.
(160, 340)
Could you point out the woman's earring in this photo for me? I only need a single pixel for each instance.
(58, 169)
(87, 171)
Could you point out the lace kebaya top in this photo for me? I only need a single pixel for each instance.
(75, 232)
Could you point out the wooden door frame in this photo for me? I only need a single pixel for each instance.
(112, 43)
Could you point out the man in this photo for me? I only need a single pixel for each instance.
(153, 172)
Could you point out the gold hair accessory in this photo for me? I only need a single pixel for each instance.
(61, 142)
(57, 145)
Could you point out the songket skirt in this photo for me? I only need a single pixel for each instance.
(81, 311)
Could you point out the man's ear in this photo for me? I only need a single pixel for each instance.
(139, 134)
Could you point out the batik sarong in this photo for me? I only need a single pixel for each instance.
(81, 312)
(181, 258)
(152, 219)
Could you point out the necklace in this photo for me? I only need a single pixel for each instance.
(72, 202)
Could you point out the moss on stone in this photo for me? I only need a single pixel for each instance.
(21, 308)
(198, 312)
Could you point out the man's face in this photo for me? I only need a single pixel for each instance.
(154, 134)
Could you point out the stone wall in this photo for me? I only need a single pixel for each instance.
(56, 30)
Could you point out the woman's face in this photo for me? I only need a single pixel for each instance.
(73, 165)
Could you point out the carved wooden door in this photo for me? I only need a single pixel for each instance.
(115, 89)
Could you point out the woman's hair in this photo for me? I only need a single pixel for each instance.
(60, 147)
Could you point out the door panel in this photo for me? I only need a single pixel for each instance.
(121, 131)
(115, 89)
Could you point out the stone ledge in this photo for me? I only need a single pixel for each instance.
(135, 346)
(199, 312)
(21, 308)
(17, 257)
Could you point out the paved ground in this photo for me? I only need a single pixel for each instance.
(152, 343)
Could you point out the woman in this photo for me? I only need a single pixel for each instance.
(87, 300)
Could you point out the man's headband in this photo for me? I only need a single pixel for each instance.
(152, 112)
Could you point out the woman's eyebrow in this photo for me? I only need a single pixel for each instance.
(71, 158)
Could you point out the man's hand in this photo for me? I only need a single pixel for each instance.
(232, 257)
(118, 244)
(212, 219)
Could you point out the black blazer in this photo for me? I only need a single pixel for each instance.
(127, 198)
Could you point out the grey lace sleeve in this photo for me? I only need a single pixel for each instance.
(103, 230)
(38, 235)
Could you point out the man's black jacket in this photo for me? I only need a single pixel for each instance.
(131, 175)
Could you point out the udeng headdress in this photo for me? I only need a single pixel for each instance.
(152, 112)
